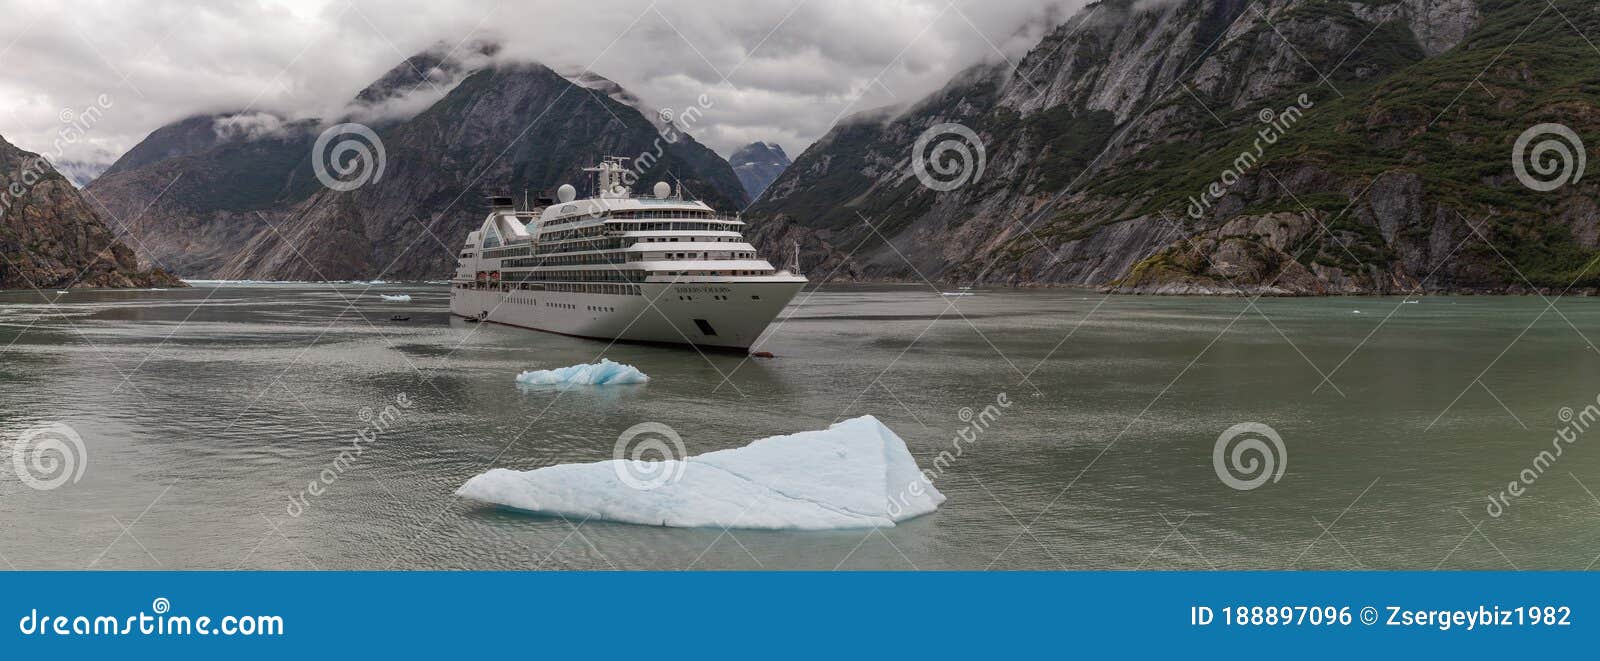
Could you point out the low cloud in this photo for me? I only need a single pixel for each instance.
(782, 71)
(252, 126)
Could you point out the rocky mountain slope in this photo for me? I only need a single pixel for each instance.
(246, 202)
(51, 238)
(758, 164)
(1232, 146)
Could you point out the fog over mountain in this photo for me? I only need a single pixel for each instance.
(774, 71)
(239, 195)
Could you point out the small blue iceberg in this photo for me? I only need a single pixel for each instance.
(604, 373)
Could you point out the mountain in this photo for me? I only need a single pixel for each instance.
(1232, 146)
(82, 171)
(51, 238)
(758, 164)
(590, 80)
(206, 185)
(418, 82)
(248, 204)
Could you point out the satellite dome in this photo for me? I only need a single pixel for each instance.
(566, 193)
(663, 190)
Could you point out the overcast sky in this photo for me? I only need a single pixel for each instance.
(778, 70)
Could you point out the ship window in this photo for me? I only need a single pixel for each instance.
(705, 327)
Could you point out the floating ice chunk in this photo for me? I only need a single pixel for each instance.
(603, 373)
(854, 474)
(957, 293)
(399, 298)
(61, 291)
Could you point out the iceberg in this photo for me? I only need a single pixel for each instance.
(603, 373)
(400, 298)
(854, 474)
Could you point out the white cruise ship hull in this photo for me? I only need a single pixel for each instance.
(720, 315)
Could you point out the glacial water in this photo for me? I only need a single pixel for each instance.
(206, 414)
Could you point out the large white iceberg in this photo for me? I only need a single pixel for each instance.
(398, 298)
(854, 474)
(604, 373)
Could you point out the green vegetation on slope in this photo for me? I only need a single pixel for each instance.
(1450, 119)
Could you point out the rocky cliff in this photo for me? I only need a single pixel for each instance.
(1267, 146)
(51, 238)
(247, 202)
(758, 164)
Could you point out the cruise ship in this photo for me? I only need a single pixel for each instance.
(615, 266)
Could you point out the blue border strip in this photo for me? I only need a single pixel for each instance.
(799, 615)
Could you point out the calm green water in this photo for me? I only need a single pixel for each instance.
(203, 410)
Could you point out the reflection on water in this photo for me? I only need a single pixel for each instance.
(203, 410)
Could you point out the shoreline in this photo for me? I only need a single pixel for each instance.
(1168, 291)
